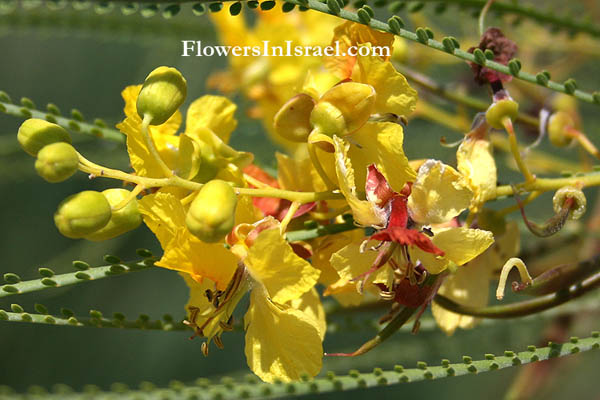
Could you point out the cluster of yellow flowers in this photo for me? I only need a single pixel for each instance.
(222, 221)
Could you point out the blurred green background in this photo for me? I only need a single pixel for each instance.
(82, 60)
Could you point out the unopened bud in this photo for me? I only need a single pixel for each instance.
(36, 133)
(82, 214)
(566, 192)
(292, 121)
(343, 109)
(212, 213)
(123, 220)
(57, 162)
(558, 125)
(163, 93)
(501, 109)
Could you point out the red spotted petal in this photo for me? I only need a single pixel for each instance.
(377, 188)
(408, 237)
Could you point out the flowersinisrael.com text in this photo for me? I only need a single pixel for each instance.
(195, 48)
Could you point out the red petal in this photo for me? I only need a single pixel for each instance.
(408, 237)
(399, 214)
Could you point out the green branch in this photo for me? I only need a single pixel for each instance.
(49, 280)
(95, 320)
(231, 389)
(532, 12)
(122, 28)
(75, 123)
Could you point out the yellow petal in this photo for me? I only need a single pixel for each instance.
(163, 214)
(394, 94)
(298, 174)
(310, 305)
(380, 143)
(281, 342)
(213, 112)
(352, 34)
(272, 262)
(461, 245)
(190, 157)
(438, 195)
(323, 249)
(475, 162)
(468, 286)
(365, 213)
(187, 253)
(350, 263)
(140, 157)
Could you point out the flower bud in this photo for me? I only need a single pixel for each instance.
(212, 213)
(566, 192)
(82, 214)
(292, 121)
(343, 109)
(557, 129)
(123, 220)
(36, 133)
(501, 109)
(57, 162)
(163, 93)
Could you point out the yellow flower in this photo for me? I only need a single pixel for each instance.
(200, 153)
(419, 219)
(285, 322)
(271, 81)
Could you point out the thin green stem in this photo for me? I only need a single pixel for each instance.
(482, 16)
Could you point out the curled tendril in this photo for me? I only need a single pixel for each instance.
(555, 223)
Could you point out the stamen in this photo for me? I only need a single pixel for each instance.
(513, 262)
(204, 349)
(387, 295)
(218, 342)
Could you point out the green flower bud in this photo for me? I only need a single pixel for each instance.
(57, 162)
(122, 220)
(505, 108)
(292, 121)
(212, 213)
(82, 214)
(163, 93)
(557, 129)
(35, 133)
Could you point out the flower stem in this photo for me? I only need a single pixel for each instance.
(523, 308)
